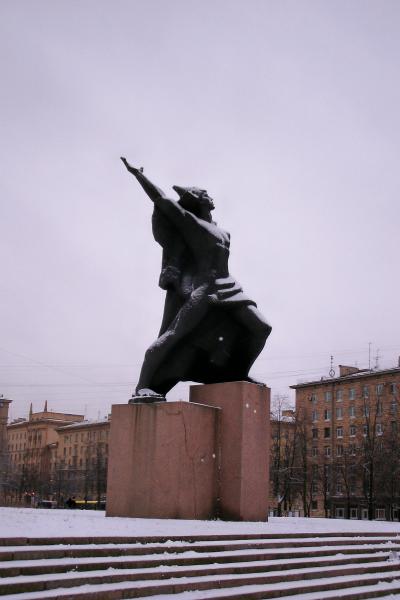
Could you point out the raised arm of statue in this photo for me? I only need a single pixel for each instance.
(151, 190)
(183, 219)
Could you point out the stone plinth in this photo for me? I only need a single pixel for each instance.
(244, 451)
(162, 461)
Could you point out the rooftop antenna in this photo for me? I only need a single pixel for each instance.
(369, 355)
(377, 357)
(332, 370)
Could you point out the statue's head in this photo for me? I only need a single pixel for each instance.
(194, 199)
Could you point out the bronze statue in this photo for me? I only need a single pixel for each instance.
(211, 331)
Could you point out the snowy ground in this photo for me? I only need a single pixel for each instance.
(31, 522)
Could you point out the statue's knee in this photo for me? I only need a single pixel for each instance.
(264, 330)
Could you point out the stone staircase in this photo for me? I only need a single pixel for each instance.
(296, 566)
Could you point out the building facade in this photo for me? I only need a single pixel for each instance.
(349, 428)
(4, 407)
(31, 446)
(284, 498)
(80, 462)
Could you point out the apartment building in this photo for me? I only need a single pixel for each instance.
(284, 499)
(81, 459)
(4, 407)
(352, 443)
(31, 445)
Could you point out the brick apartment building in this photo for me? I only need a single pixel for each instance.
(31, 446)
(283, 495)
(351, 442)
(81, 459)
(4, 406)
(53, 455)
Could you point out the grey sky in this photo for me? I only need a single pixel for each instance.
(286, 111)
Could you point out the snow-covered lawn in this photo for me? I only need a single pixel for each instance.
(31, 522)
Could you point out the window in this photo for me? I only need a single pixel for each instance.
(393, 407)
(339, 450)
(315, 470)
(365, 430)
(339, 432)
(379, 429)
(393, 425)
(380, 514)
(314, 505)
(339, 488)
(314, 451)
(365, 391)
(392, 388)
(328, 396)
(339, 513)
(352, 449)
(353, 430)
(327, 451)
(366, 411)
(339, 395)
(327, 415)
(314, 487)
(314, 398)
(352, 411)
(379, 389)
(314, 415)
(339, 412)
(315, 434)
(353, 513)
(379, 408)
(327, 432)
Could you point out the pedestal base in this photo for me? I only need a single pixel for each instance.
(244, 450)
(162, 461)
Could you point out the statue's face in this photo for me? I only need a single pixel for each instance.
(204, 199)
(195, 199)
(200, 198)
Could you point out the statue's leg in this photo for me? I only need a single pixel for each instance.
(172, 304)
(258, 330)
(187, 318)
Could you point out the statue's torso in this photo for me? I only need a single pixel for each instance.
(189, 266)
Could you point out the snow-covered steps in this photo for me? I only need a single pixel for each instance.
(260, 566)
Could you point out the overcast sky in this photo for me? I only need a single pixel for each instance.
(286, 111)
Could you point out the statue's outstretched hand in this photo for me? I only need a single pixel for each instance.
(131, 169)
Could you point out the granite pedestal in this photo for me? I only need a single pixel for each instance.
(244, 446)
(201, 459)
(162, 461)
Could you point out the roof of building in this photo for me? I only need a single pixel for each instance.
(282, 419)
(31, 422)
(361, 374)
(88, 423)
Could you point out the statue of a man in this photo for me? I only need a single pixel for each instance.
(211, 332)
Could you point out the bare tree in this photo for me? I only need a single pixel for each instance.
(283, 454)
